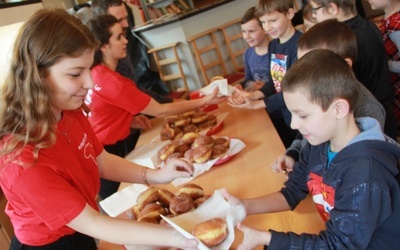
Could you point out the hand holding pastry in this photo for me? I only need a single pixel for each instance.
(283, 163)
(213, 98)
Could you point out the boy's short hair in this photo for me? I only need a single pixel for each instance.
(100, 7)
(323, 76)
(249, 15)
(267, 6)
(348, 6)
(333, 35)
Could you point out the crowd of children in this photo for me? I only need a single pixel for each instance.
(333, 95)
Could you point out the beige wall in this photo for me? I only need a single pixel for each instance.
(18, 13)
(7, 37)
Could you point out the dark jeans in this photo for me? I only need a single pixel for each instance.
(76, 241)
(121, 148)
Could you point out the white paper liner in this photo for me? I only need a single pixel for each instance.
(214, 207)
(224, 88)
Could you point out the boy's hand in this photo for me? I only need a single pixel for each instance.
(283, 163)
(253, 238)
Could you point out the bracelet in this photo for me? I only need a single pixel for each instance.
(144, 175)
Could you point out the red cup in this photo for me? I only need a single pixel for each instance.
(207, 108)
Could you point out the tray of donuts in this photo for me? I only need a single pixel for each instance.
(191, 212)
(197, 121)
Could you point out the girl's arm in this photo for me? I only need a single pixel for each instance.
(159, 110)
(127, 232)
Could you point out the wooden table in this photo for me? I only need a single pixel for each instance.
(249, 173)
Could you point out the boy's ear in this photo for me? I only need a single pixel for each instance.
(349, 62)
(333, 9)
(290, 13)
(341, 107)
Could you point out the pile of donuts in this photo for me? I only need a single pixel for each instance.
(195, 148)
(154, 202)
(192, 121)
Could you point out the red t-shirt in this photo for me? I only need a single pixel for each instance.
(114, 102)
(44, 197)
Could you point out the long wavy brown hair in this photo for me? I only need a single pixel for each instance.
(26, 116)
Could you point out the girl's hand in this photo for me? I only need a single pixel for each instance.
(174, 168)
(213, 98)
(252, 237)
(140, 122)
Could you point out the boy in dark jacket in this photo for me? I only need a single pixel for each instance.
(348, 165)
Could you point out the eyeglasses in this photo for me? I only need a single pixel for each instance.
(314, 10)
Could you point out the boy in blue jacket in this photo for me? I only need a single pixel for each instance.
(348, 166)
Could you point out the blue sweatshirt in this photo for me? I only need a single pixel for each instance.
(357, 195)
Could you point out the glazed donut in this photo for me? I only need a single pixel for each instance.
(148, 196)
(203, 140)
(199, 117)
(193, 190)
(221, 141)
(190, 128)
(190, 137)
(153, 211)
(165, 151)
(211, 232)
(201, 154)
(218, 151)
(180, 204)
(165, 197)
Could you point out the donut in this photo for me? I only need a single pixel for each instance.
(182, 122)
(193, 190)
(174, 155)
(211, 232)
(201, 154)
(189, 114)
(203, 140)
(221, 141)
(197, 202)
(218, 151)
(190, 137)
(199, 117)
(188, 155)
(165, 197)
(148, 220)
(178, 133)
(206, 124)
(148, 196)
(190, 128)
(153, 211)
(182, 148)
(165, 151)
(167, 133)
(180, 204)
(215, 78)
(133, 213)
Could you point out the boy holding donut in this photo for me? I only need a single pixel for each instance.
(348, 166)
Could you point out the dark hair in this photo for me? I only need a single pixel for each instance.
(249, 15)
(348, 6)
(328, 78)
(100, 27)
(333, 35)
(100, 7)
(266, 6)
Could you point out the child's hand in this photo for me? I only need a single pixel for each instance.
(283, 163)
(252, 237)
(213, 98)
(174, 168)
(140, 122)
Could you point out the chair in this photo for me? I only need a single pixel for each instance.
(165, 57)
(233, 37)
(208, 54)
